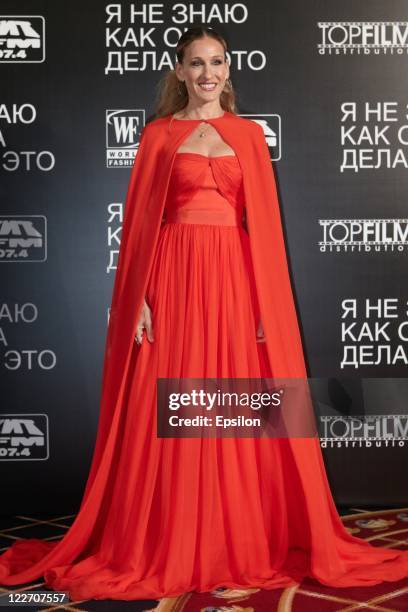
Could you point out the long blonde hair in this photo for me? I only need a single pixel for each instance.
(172, 95)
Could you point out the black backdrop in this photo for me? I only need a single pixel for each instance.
(75, 92)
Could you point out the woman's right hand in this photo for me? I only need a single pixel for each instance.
(145, 322)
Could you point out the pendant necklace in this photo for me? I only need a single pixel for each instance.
(202, 133)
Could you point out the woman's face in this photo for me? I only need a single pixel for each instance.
(203, 63)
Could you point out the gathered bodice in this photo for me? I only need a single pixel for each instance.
(205, 190)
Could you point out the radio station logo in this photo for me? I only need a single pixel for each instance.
(22, 39)
(24, 437)
(271, 125)
(363, 235)
(23, 238)
(123, 129)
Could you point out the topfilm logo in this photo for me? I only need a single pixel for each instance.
(363, 37)
(363, 235)
(360, 431)
(123, 129)
(271, 125)
(22, 39)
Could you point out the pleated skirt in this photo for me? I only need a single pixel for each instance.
(191, 513)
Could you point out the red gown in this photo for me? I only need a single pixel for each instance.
(185, 514)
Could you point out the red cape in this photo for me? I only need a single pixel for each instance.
(144, 208)
(333, 551)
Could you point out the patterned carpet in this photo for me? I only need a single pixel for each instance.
(386, 528)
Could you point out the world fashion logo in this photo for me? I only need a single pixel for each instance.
(271, 125)
(23, 238)
(363, 37)
(363, 235)
(123, 129)
(24, 437)
(22, 39)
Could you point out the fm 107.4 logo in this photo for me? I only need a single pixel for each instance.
(23, 238)
(22, 39)
(123, 129)
(24, 437)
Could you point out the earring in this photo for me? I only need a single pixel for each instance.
(178, 88)
(228, 83)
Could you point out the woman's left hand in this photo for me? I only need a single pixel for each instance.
(260, 336)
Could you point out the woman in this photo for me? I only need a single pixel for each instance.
(199, 295)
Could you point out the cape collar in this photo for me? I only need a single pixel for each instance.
(182, 124)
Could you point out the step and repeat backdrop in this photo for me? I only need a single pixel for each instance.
(327, 82)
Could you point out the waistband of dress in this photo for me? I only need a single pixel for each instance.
(213, 217)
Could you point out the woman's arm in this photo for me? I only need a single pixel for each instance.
(145, 322)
